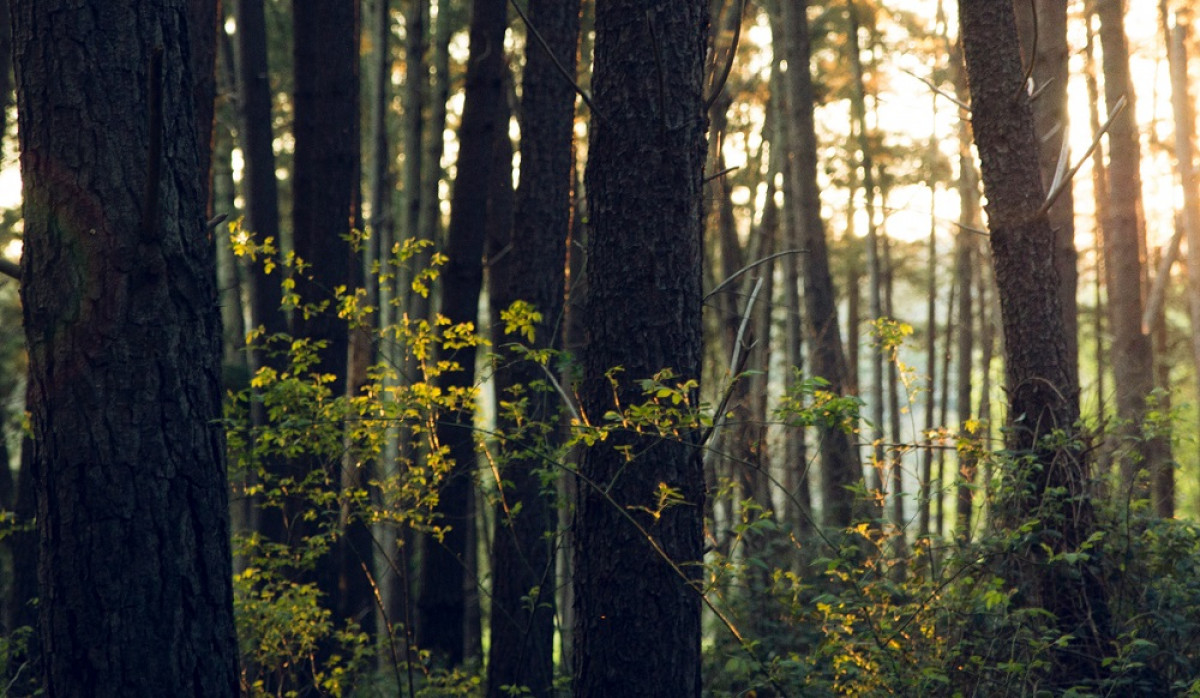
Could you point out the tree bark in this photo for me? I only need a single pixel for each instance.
(644, 172)
(123, 332)
(1050, 76)
(442, 602)
(1053, 485)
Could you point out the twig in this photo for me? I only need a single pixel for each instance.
(719, 86)
(587, 99)
(1055, 192)
(939, 91)
(745, 269)
(10, 269)
(718, 175)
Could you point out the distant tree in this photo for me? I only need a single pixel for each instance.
(1049, 476)
(441, 604)
(840, 469)
(529, 266)
(1123, 225)
(123, 334)
(637, 629)
(325, 212)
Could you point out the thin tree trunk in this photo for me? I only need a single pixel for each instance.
(442, 602)
(1124, 227)
(1100, 196)
(840, 469)
(531, 269)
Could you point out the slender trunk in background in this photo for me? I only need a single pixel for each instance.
(896, 460)
(1100, 200)
(840, 470)
(1185, 126)
(932, 385)
(644, 171)
(440, 628)
(865, 162)
(939, 480)
(1053, 487)
(964, 265)
(325, 209)
(529, 267)
(1124, 228)
(260, 189)
(796, 456)
(429, 218)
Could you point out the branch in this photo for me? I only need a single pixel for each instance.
(745, 269)
(554, 59)
(719, 87)
(10, 269)
(1060, 184)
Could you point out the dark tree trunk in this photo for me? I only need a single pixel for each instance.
(645, 164)
(1053, 485)
(442, 602)
(840, 469)
(259, 187)
(531, 268)
(325, 209)
(123, 332)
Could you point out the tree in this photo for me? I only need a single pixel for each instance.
(636, 562)
(840, 470)
(442, 601)
(325, 212)
(123, 334)
(1132, 355)
(531, 269)
(1049, 475)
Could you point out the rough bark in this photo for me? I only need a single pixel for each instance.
(840, 470)
(1052, 483)
(1050, 76)
(532, 269)
(442, 602)
(644, 169)
(123, 332)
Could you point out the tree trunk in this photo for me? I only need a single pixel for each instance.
(123, 331)
(325, 209)
(1050, 76)
(645, 165)
(442, 603)
(531, 269)
(259, 186)
(840, 470)
(1132, 353)
(1053, 484)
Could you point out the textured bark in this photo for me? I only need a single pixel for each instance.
(1050, 76)
(1132, 354)
(1053, 486)
(441, 605)
(123, 333)
(840, 469)
(637, 612)
(531, 268)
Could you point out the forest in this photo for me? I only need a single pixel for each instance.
(599, 348)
